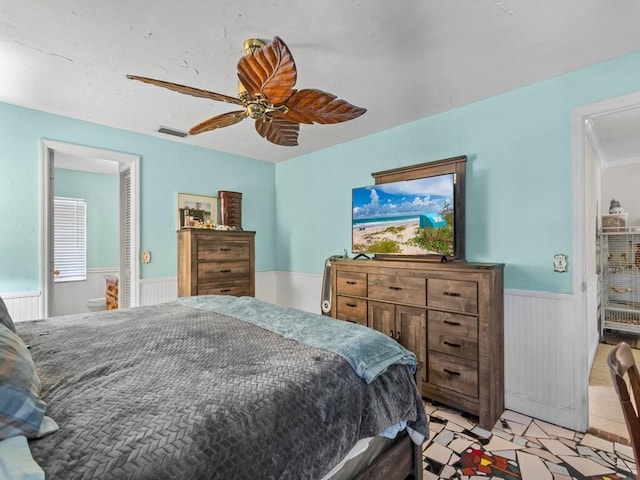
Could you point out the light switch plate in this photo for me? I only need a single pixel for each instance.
(560, 262)
(146, 256)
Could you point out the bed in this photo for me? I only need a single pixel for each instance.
(222, 387)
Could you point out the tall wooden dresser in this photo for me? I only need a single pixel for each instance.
(450, 315)
(216, 262)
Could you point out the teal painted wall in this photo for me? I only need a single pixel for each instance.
(102, 194)
(166, 168)
(519, 176)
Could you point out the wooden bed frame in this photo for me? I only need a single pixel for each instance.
(402, 460)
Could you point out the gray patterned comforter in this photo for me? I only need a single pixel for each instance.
(172, 392)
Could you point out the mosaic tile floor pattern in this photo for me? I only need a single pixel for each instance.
(518, 448)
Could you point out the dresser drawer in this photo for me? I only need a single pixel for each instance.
(215, 250)
(453, 373)
(453, 324)
(352, 310)
(351, 283)
(452, 345)
(220, 271)
(397, 289)
(459, 295)
(237, 288)
(453, 334)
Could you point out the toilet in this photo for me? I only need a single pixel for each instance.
(97, 304)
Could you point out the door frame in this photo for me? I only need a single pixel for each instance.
(580, 132)
(580, 282)
(48, 148)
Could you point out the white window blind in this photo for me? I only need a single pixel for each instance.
(70, 239)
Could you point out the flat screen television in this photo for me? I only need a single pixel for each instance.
(422, 217)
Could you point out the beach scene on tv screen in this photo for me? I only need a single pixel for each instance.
(414, 217)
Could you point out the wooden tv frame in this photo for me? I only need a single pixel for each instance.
(453, 165)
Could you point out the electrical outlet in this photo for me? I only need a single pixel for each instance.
(146, 256)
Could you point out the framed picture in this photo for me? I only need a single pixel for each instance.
(197, 211)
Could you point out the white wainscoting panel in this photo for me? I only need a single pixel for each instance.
(266, 284)
(546, 364)
(158, 290)
(72, 297)
(299, 290)
(23, 306)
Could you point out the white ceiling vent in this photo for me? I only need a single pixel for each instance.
(172, 131)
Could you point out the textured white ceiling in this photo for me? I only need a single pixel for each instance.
(401, 60)
(617, 137)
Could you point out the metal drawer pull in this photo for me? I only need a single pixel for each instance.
(451, 294)
(353, 305)
(395, 288)
(391, 334)
(454, 345)
(226, 249)
(225, 290)
(351, 282)
(225, 271)
(398, 335)
(451, 372)
(449, 322)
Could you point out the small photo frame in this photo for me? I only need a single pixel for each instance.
(197, 211)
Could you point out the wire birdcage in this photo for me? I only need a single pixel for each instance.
(621, 281)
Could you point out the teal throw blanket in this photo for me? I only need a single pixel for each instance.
(369, 352)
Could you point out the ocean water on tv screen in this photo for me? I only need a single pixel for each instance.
(415, 217)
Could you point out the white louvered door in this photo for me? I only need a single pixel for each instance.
(126, 245)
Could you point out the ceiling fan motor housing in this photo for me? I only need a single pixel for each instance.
(256, 110)
(250, 45)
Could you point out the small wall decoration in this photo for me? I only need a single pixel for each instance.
(197, 211)
(560, 262)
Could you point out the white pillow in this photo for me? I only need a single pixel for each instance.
(16, 461)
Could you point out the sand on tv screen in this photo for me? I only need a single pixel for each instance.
(413, 217)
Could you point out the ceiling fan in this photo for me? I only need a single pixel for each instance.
(267, 75)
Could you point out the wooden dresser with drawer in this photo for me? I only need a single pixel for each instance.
(450, 315)
(216, 262)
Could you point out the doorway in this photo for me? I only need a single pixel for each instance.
(126, 169)
(604, 135)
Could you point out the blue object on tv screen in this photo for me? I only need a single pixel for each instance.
(412, 217)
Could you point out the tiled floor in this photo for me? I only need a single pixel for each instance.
(518, 447)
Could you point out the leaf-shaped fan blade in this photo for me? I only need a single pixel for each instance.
(219, 121)
(270, 70)
(196, 92)
(278, 130)
(316, 106)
